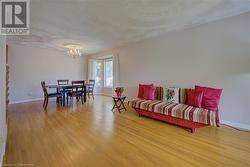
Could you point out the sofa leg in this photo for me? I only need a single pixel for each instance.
(193, 130)
(139, 114)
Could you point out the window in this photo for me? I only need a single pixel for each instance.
(108, 73)
(102, 72)
(97, 70)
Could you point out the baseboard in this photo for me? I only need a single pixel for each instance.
(2, 153)
(103, 94)
(3, 140)
(96, 93)
(109, 95)
(24, 101)
(236, 124)
(37, 99)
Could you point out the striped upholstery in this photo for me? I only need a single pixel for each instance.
(158, 93)
(182, 95)
(182, 111)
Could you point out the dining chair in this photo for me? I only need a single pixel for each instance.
(90, 88)
(77, 91)
(49, 95)
(62, 81)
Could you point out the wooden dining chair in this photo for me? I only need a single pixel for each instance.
(49, 95)
(77, 91)
(62, 81)
(90, 88)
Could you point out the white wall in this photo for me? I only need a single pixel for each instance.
(29, 66)
(215, 54)
(3, 126)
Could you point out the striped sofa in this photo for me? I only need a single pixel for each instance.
(179, 114)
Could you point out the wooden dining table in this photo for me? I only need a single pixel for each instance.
(65, 88)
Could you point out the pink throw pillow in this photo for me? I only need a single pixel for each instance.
(194, 98)
(141, 89)
(211, 97)
(148, 93)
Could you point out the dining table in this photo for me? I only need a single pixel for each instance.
(65, 88)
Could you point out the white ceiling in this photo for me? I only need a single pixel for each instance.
(102, 24)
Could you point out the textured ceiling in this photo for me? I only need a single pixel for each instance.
(102, 24)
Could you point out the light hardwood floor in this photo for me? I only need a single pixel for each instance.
(91, 135)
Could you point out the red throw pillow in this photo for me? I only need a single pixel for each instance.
(141, 89)
(194, 98)
(148, 93)
(211, 97)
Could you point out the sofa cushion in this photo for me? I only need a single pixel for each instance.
(211, 97)
(141, 89)
(148, 105)
(148, 93)
(194, 98)
(158, 93)
(171, 94)
(181, 111)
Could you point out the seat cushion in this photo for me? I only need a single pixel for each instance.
(74, 93)
(54, 94)
(182, 111)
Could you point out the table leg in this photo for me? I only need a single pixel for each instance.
(122, 102)
(64, 97)
(116, 105)
(119, 104)
(84, 96)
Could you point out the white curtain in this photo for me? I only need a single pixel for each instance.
(116, 71)
(91, 69)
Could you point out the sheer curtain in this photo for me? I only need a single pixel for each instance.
(90, 69)
(116, 71)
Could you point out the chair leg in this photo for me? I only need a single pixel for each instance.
(46, 103)
(93, 95)
(193, 130)
(88, 95)
(61, 101)
(81, 99)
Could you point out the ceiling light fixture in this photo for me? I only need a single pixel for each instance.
(74, 50)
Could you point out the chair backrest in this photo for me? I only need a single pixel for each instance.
(44, 88)
(92, 81)
(62, 81)
(80, 86)
(91, 85)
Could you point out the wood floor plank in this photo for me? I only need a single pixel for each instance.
(93, 135)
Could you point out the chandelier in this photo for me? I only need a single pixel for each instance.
(74, 50)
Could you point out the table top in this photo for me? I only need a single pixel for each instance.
(118, 97)
(66, 86)
(61, 86)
